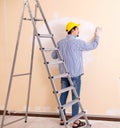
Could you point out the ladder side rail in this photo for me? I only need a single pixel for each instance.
(31, 67)
(40, 9)
(39, 42)
(69, 78)
(76, 95)
(75, 92)
(80, 105)
(71, 84)
(13, 66)
(52, 82)
(61, 110)
(34, 26)
(43, 16)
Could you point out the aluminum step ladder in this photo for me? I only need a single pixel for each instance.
(47, 63)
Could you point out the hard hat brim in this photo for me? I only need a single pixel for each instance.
(71, 25)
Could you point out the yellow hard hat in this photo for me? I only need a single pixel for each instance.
(71, 25)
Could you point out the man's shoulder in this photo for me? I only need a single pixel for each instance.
(62, 40)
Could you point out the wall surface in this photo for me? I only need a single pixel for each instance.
(100, 92)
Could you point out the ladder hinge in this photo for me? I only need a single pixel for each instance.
(41, 48)
(50, 77)
(84, 111)
(61, 107)
(78, 98)
(46, 62)
(55, 92)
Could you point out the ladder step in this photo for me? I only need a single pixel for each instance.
(49, 49)
(60, 76)
(34, 19)
(45, 35)
(21, 74)
(73, 119)
(70, 103)
(55, 62)
(65, 89)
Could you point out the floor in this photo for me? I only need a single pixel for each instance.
(43, 122)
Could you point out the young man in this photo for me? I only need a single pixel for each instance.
(71, 50)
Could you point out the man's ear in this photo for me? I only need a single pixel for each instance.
(72, 30)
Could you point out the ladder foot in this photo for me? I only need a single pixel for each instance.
(25, 121)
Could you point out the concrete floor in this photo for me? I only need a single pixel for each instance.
(43, 122)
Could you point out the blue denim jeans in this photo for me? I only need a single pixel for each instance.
(77, 84)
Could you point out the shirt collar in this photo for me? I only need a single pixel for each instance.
(71, 36)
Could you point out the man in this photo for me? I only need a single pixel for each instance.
(71, 50)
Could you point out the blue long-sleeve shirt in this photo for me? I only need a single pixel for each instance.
(71, 52)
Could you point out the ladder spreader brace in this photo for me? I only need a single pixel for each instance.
(47, 63)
